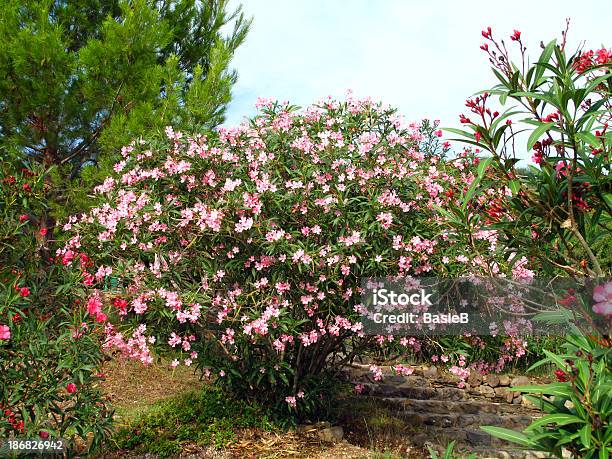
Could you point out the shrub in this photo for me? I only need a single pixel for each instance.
(50, 351)
(560, 211)
(578, 407)
(242, 252)
(558, 215)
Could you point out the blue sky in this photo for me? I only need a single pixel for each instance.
(420, 56)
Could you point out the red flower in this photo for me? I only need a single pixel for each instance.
(23, 218)
(464, 119)
(561, 376)
(477, 136)
(44, 435)
(487, 33)
(43, 232)
(516, 36)
(484, 47)
(24, 291)
(71, 388)
(26, 187)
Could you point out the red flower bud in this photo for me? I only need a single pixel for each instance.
(561, 376)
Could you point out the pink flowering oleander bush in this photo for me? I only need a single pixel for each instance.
(50, 351)
(242, 252)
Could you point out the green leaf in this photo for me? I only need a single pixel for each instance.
(483, 165)
(556, 359)
(558, 389)
(560, 419)
(537, 133)
(515, 186)
(544, 58)
(585, 435)
(508, 435)
(458, 131)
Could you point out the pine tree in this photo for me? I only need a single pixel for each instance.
(79, 79)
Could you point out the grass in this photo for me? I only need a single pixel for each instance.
(206, 417)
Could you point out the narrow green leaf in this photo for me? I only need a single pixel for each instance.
(537, 133)
(585, 435)
(483, 165)
(515, 186)
(508, 435)
(559, 419)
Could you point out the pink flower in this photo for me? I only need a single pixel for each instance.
(71, 388)
(291, 401)
(376, 372)
(402, 370)
(244, 224)
(603, 297)
(5, 332)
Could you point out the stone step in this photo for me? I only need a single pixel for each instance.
(467, 406)
(444, 393)
(465, 437)
(419, 418)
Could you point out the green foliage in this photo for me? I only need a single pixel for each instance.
(578, 408)
(561, 211)
(78, 80)
(43, 355)
(207, 417)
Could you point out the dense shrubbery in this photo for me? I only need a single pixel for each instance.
(50, 351)
(243, 252)
(560, 215)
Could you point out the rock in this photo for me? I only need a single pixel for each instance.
(520, 381)
(502, 392)
(487, 391)
(526, 402)
(517, 400)
(476, 437)
(509, 396)
(474, 379)
(504, 380)
(419, 439)
(431, 372)
(492, 380)
(397, 379)
(331, 434)
(307, 428)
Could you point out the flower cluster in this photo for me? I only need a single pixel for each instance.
(244, 250)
